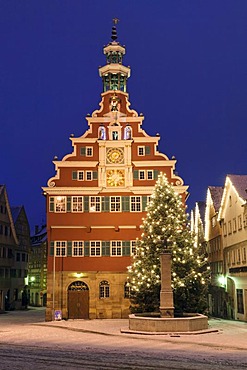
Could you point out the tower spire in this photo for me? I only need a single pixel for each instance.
(114, 29)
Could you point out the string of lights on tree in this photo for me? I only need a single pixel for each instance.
(166, 227)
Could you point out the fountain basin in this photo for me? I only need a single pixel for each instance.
(152, 323)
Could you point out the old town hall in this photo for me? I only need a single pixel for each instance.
(97, 199)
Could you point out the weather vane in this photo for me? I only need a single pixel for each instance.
(115, 21)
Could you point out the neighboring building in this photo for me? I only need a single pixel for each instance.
(213, 237)
(233, 219)
(22, 254)
(37, 272)
(14, 250)
(197, 224)
(96, 202)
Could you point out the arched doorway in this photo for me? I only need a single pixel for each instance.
(78, 300)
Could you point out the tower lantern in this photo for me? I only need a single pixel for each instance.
(114, 74)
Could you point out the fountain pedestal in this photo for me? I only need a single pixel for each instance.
(166, 293)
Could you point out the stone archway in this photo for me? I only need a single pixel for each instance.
(78, 300)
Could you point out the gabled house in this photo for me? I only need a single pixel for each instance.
(97, 199)
(213, 238)
(22, 253)
(14, 249)
(233, 219)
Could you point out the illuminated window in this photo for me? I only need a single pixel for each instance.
(115, 204)
(150, 175)
(135, 203)
(141, 175)
(60, 204)
(77, 204)
(133, 247)
(116, 248)
(95, 204)
(77, 249)
(89, 151)
(80, 175)
(95, 248)
(141, 150)
(104, 289)
(89, 175)
(60, 248)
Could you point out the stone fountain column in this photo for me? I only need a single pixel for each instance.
(166, 293)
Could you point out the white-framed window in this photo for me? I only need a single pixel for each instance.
(95, 204)
(239, 222)
(89, 151)
(60, 204)
(224, 229)
(150, 174)
(116, 248)
(60, 248)
(80, 175)
(234, 225)
(238, 256)
(104, 289)
(77, 248)
(142, 175)
(95, 248)
(135, 204)
(141, 150)
(133, 247)
(77, 204)
(115, 204)
(244, 254)
(229, 227)
(89, 175)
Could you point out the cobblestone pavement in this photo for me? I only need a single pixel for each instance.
(27, 340)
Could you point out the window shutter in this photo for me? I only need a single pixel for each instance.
(147, 150)
(125, 204)
(74, 175)
(105, 204)
(156, 174)
(83, 151)
(105, 248)
(86, 203)
(144, 202)
(126, 248)
(86, 249)
(68, 204)
(51, 208)
(95, 175)
(136, 174)
(51, 248)
(69, 248)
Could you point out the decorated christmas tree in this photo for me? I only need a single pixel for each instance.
(166, 227)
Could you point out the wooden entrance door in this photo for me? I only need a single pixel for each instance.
(78, 301)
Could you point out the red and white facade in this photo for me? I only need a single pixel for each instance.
(96, 202)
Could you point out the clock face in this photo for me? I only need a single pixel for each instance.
(115, 177)
(115, 155)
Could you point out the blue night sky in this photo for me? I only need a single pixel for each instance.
(189, 79)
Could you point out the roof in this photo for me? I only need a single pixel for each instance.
(240, 184)
(216, 195)
(15, 212)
